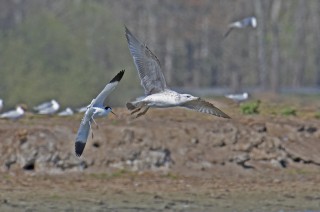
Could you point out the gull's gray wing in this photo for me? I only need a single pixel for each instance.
(10, 114)
(203, 106)
(42, 106)
(147, 64)
(99, 100)
(83, 132)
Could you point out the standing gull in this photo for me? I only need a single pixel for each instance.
(238, 97)
(67, 112)
(246, 22)
(47, 108)
(13, 114)
(157, 94)
(94, 110)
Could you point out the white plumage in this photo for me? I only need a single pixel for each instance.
(157, 94)
(96, 109)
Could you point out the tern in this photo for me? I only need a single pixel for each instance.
(67, 112)
(238, 97)
(47, 108)
(157, 94)
(94, 110)
(1, 104)
(13, 114)
(246, 22)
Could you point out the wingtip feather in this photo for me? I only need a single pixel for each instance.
(118, 77)
(79, 147)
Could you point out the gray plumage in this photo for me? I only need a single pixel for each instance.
(94, 110)
(157, 94)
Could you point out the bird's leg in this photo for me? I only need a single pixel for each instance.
(91, 129)
(136, 110)
(95, 123)
(143, 112)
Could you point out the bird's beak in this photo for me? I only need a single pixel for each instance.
(114, 113)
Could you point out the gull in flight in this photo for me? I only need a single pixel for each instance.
(67, 112)
(47, 108)
(238, 97)
(94, 110)
(246, 22)
(13, 114)
(1, 104)
(157, 94)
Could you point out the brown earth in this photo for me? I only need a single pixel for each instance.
(168, 160)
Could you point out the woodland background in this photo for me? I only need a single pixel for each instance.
(69, 50)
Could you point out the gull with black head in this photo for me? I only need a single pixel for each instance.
(96, 109)
(157, 94)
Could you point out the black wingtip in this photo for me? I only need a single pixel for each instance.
(118, 77)
(79, 147)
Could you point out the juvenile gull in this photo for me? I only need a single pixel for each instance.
(157, 94)
(246, 22)
(94, 110)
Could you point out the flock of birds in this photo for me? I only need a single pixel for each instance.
(156, 92)
(46, 108)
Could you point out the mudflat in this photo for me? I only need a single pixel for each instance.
(168, 160)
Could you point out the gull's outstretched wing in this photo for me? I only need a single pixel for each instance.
(203, 106)
(147, 64)
(246, 22)
(83, 131)
(98, 102)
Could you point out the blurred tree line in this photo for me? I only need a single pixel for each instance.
(69, 50)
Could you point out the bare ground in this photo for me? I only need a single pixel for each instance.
(169, 160)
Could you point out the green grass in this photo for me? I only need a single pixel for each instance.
(288, 112)
(250, 108)
(102, 176)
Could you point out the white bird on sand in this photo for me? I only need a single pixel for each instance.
(82, 109)
(246, 22)
(13, 114)
(94, 110)
(1, 104)
(238, 97)
(157, 94)
(67, 112)
(47, 108)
